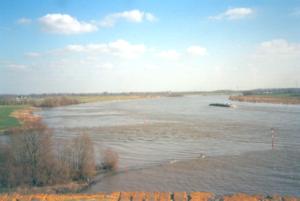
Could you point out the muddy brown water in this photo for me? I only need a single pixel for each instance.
(182, 144)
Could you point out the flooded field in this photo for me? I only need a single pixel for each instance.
(182, 144)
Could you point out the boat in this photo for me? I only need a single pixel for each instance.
(221, 104)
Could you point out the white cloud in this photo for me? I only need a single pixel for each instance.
(273, 63)
(150, 17)
(135, 16)
(64, 24)
(279, 47)
(75, 48)
(16, 66)
(94, 62)
(12, 65)
(120, 48)
(32, 54)
(58, 23)
(233, 14)
(124, 49)
(169, 54)
(196, 50)
(24, 21)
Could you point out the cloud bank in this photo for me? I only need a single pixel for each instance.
(120, 48)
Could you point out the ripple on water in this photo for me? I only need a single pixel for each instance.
(161, 143)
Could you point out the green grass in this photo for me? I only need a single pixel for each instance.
(6, 121)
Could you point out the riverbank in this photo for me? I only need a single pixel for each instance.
(14, 115)
(267, 99)
(29, 125)
(6, 120)
(89, 99)
(146, 196)
(26, 115)
(55, 100)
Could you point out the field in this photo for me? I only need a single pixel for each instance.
(6, 120)
(268, 98)
(87, 99)
(280, 95)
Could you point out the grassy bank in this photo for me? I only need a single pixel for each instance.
(271, 98)
(15, 112)
(55, 100)
(7, 120)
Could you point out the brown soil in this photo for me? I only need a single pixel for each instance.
(266, 99)
(26, 116)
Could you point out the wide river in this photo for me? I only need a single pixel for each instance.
(182, 144)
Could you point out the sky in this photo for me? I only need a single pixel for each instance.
(58, 46)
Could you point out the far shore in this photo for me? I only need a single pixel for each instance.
(290, 100)
(22, 113)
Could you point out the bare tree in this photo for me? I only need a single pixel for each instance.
(32, 150)
(9, 172)
(79, 154)
(29, 158)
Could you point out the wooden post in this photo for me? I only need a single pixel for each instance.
(273, 138)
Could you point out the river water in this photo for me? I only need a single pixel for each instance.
(182, 144)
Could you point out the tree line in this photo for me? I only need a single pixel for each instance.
(43, 102)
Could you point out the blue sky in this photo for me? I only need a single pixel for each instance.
(148, 45)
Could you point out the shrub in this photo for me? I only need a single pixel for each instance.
(57, 101)
(28, 158)
(110, 160)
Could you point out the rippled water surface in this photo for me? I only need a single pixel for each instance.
(182, 144)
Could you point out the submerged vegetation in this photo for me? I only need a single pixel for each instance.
(110, 160)
(31, 158)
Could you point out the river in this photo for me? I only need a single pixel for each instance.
(182, 144)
